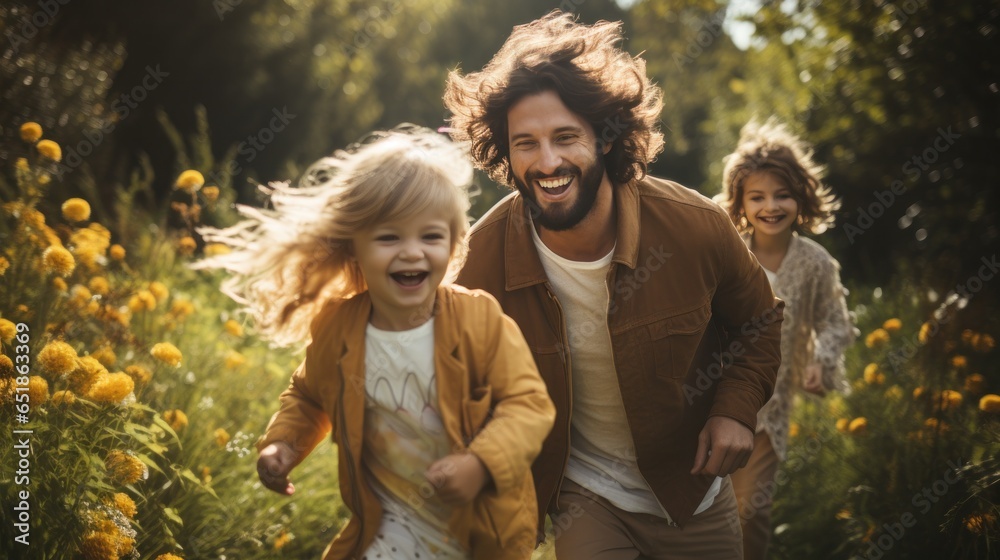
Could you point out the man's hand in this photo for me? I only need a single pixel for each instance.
(724, 446)
(813, 381)
(273, 466)
(458, 478)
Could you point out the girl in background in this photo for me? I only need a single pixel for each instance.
(772, 190)
(430, 392)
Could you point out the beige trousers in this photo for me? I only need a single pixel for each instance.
(754, 485)
(592, 528)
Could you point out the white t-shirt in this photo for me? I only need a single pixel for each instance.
(602, 453)
(403, 436)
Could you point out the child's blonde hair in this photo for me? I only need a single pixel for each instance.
(287, 262)
(772, 148)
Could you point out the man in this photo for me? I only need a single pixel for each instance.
(655, 329)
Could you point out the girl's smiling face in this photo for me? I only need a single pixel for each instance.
(769, 205)
(403, 263)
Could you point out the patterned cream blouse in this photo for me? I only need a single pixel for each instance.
(817, 329)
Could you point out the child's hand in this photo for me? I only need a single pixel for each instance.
(273, 466)
(813, 382)
(458, 478)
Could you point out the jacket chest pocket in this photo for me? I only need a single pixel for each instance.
(675, 341)
(477, 408)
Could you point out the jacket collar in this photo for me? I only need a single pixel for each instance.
(523, 266)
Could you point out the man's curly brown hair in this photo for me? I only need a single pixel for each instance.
(593, 77)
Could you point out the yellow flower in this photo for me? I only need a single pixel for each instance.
(176, 418)
(282, 539)
(106, 356)
(935, 425)
(31, 132)
(980, 523)
(168, 556)
(211, 193)
(186, 245)
(877, 337)
(894, 393)
(206, 474)
(80, 295)
(65, 398)
(88, 370)
(983, 343)
(49, 149)
(975, 384)
(6, 366)
(111, 388)
(167, 353)
(235, 360)
(57, 357)
(949, 400)
(117, 252)
(843, 514)
(190, 180)
(892, 325)
(221, 437)
(216, 249)
(22, 165)
(159, 291)
(959, 362)
(76, 210)
(99, 285)
(90, 243)
(58, 260)
(139, 375)
(925, 333)
(59, 284)
(8, 330)
(123, 503)
(872, 374)
(918, 392)
(793, 429)
(842, 425)
(858, 426)
(99, 546)
(233, 328)
(181, 308)
(967, 335)
(124, 469)
(4, 265)
(38, 390)
(142, 301)
(990, 404)
(7, 388)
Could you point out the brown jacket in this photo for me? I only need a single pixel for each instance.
(492, 402)
(694, 328)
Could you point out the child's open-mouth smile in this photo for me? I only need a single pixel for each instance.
(410, 279)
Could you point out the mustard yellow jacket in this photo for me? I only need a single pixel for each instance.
(492, 403)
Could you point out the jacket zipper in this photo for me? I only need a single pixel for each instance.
(355, 482)
(567, 357)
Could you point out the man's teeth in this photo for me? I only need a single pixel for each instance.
(554, 183)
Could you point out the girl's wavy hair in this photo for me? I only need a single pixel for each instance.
(772, 148)
(286, 262)
(585, 66)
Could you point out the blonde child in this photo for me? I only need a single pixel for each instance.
(772, 190)
(430, 392)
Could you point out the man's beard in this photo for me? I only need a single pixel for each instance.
(558, 218)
